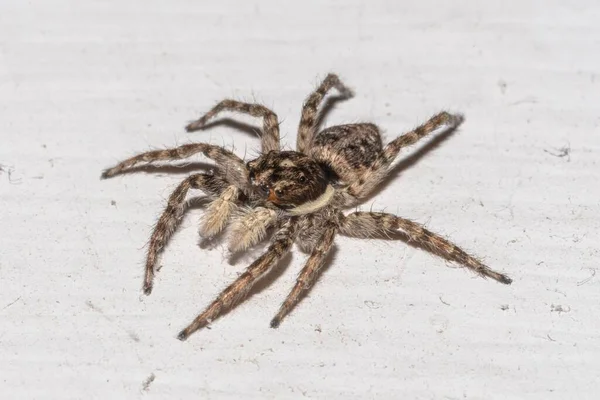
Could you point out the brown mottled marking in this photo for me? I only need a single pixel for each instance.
(170, 218)
(306, 129)
(270, 134)
(369, 224)
(307, 276)
(349, 150)
(287, 178)
(282, 241)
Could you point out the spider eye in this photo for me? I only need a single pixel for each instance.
(302, 179)
(251, 176)
(278, 192)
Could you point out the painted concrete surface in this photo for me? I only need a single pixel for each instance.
(86, 84)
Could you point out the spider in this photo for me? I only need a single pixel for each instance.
(298, 195)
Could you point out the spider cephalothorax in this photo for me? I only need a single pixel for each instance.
(288, 179)
(300, 194)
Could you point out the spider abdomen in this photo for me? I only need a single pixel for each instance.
(349, 150)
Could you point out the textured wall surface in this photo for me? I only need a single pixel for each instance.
(86, 84)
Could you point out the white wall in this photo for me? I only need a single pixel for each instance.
(86, 84)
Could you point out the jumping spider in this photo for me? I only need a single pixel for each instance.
(299, 194)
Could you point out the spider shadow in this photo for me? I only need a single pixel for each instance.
(327, 263)
(248, 129)
(251, 130)
(254, 253)
(282, 266)
(275, 273)
(188, 167)
(278, 269)
(412, 159)
(248, 257)
(328, 106)
(181, 168)
(197, 203)
(403, 237)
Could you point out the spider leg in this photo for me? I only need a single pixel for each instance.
(280, 245)
(308, 120)
(307, 276)
(379, 169)
(270, 134)
(370, 224)
(232, 166)
(170, 218)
